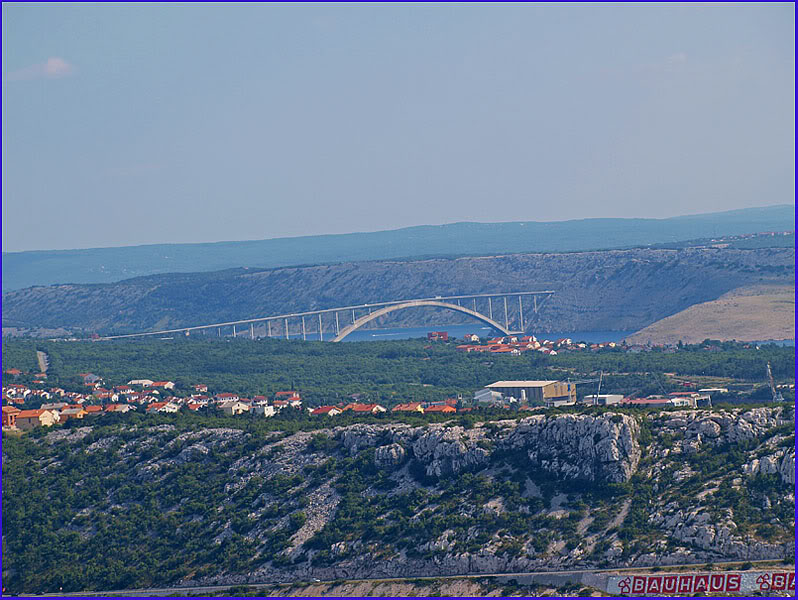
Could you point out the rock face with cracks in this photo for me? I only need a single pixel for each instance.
(600, 448)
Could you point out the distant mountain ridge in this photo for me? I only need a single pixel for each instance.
(621, 290)
(106, 265)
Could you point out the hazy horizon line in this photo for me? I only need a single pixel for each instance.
(316, 235)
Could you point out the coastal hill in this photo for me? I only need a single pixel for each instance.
(105, 265)
(757, 313)
(620, 290)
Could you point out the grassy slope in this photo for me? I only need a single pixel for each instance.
(750, 313)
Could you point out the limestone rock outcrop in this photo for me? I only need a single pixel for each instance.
(449, 450)
(389, 456)
(594, 448)
(722, 426)
(781, 462)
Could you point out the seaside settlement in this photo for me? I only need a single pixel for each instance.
(27, 406)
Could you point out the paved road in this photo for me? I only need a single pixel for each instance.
(219, 588)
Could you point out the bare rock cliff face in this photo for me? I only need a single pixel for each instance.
(599, 448)
(449, 451)
(594, 448)
(781, 462)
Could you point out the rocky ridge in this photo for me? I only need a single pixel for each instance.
(592, 448)
(549, 491)
(608, 290)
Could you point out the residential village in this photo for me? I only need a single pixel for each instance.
(56, 406)
(515, 345)
(28, 406)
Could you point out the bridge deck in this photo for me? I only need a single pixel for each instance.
(327, 311)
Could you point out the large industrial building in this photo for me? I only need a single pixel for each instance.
(549, 393)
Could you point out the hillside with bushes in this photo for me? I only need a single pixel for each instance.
(130, 501)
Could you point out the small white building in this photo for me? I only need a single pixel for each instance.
(557, 402)
(163, 407)
(263, 410)
(603, 399)
(142, 382)
(167, 385)
(683, 402)
(234, 407)
(486, 396)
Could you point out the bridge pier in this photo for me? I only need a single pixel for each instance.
(506, 318)
(268, 328)
(234, 331)
(304, 336)
(285, 326)
(521, 311)
(337, 328)
(321, 333)
(490, 308)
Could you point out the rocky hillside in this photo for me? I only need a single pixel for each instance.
(105, 265)
(241, 503)
(612, 290)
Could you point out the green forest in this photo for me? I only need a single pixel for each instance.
(387, 372)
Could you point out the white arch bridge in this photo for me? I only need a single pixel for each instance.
(340, 322)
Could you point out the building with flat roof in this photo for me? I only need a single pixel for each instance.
(603, 399)
(549, 392)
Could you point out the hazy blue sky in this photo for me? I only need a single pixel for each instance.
(131, 124)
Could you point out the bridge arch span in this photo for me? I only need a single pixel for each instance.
(411, 304)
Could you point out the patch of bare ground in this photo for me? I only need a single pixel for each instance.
(745, 314)
(322, 503)
(618, 520)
